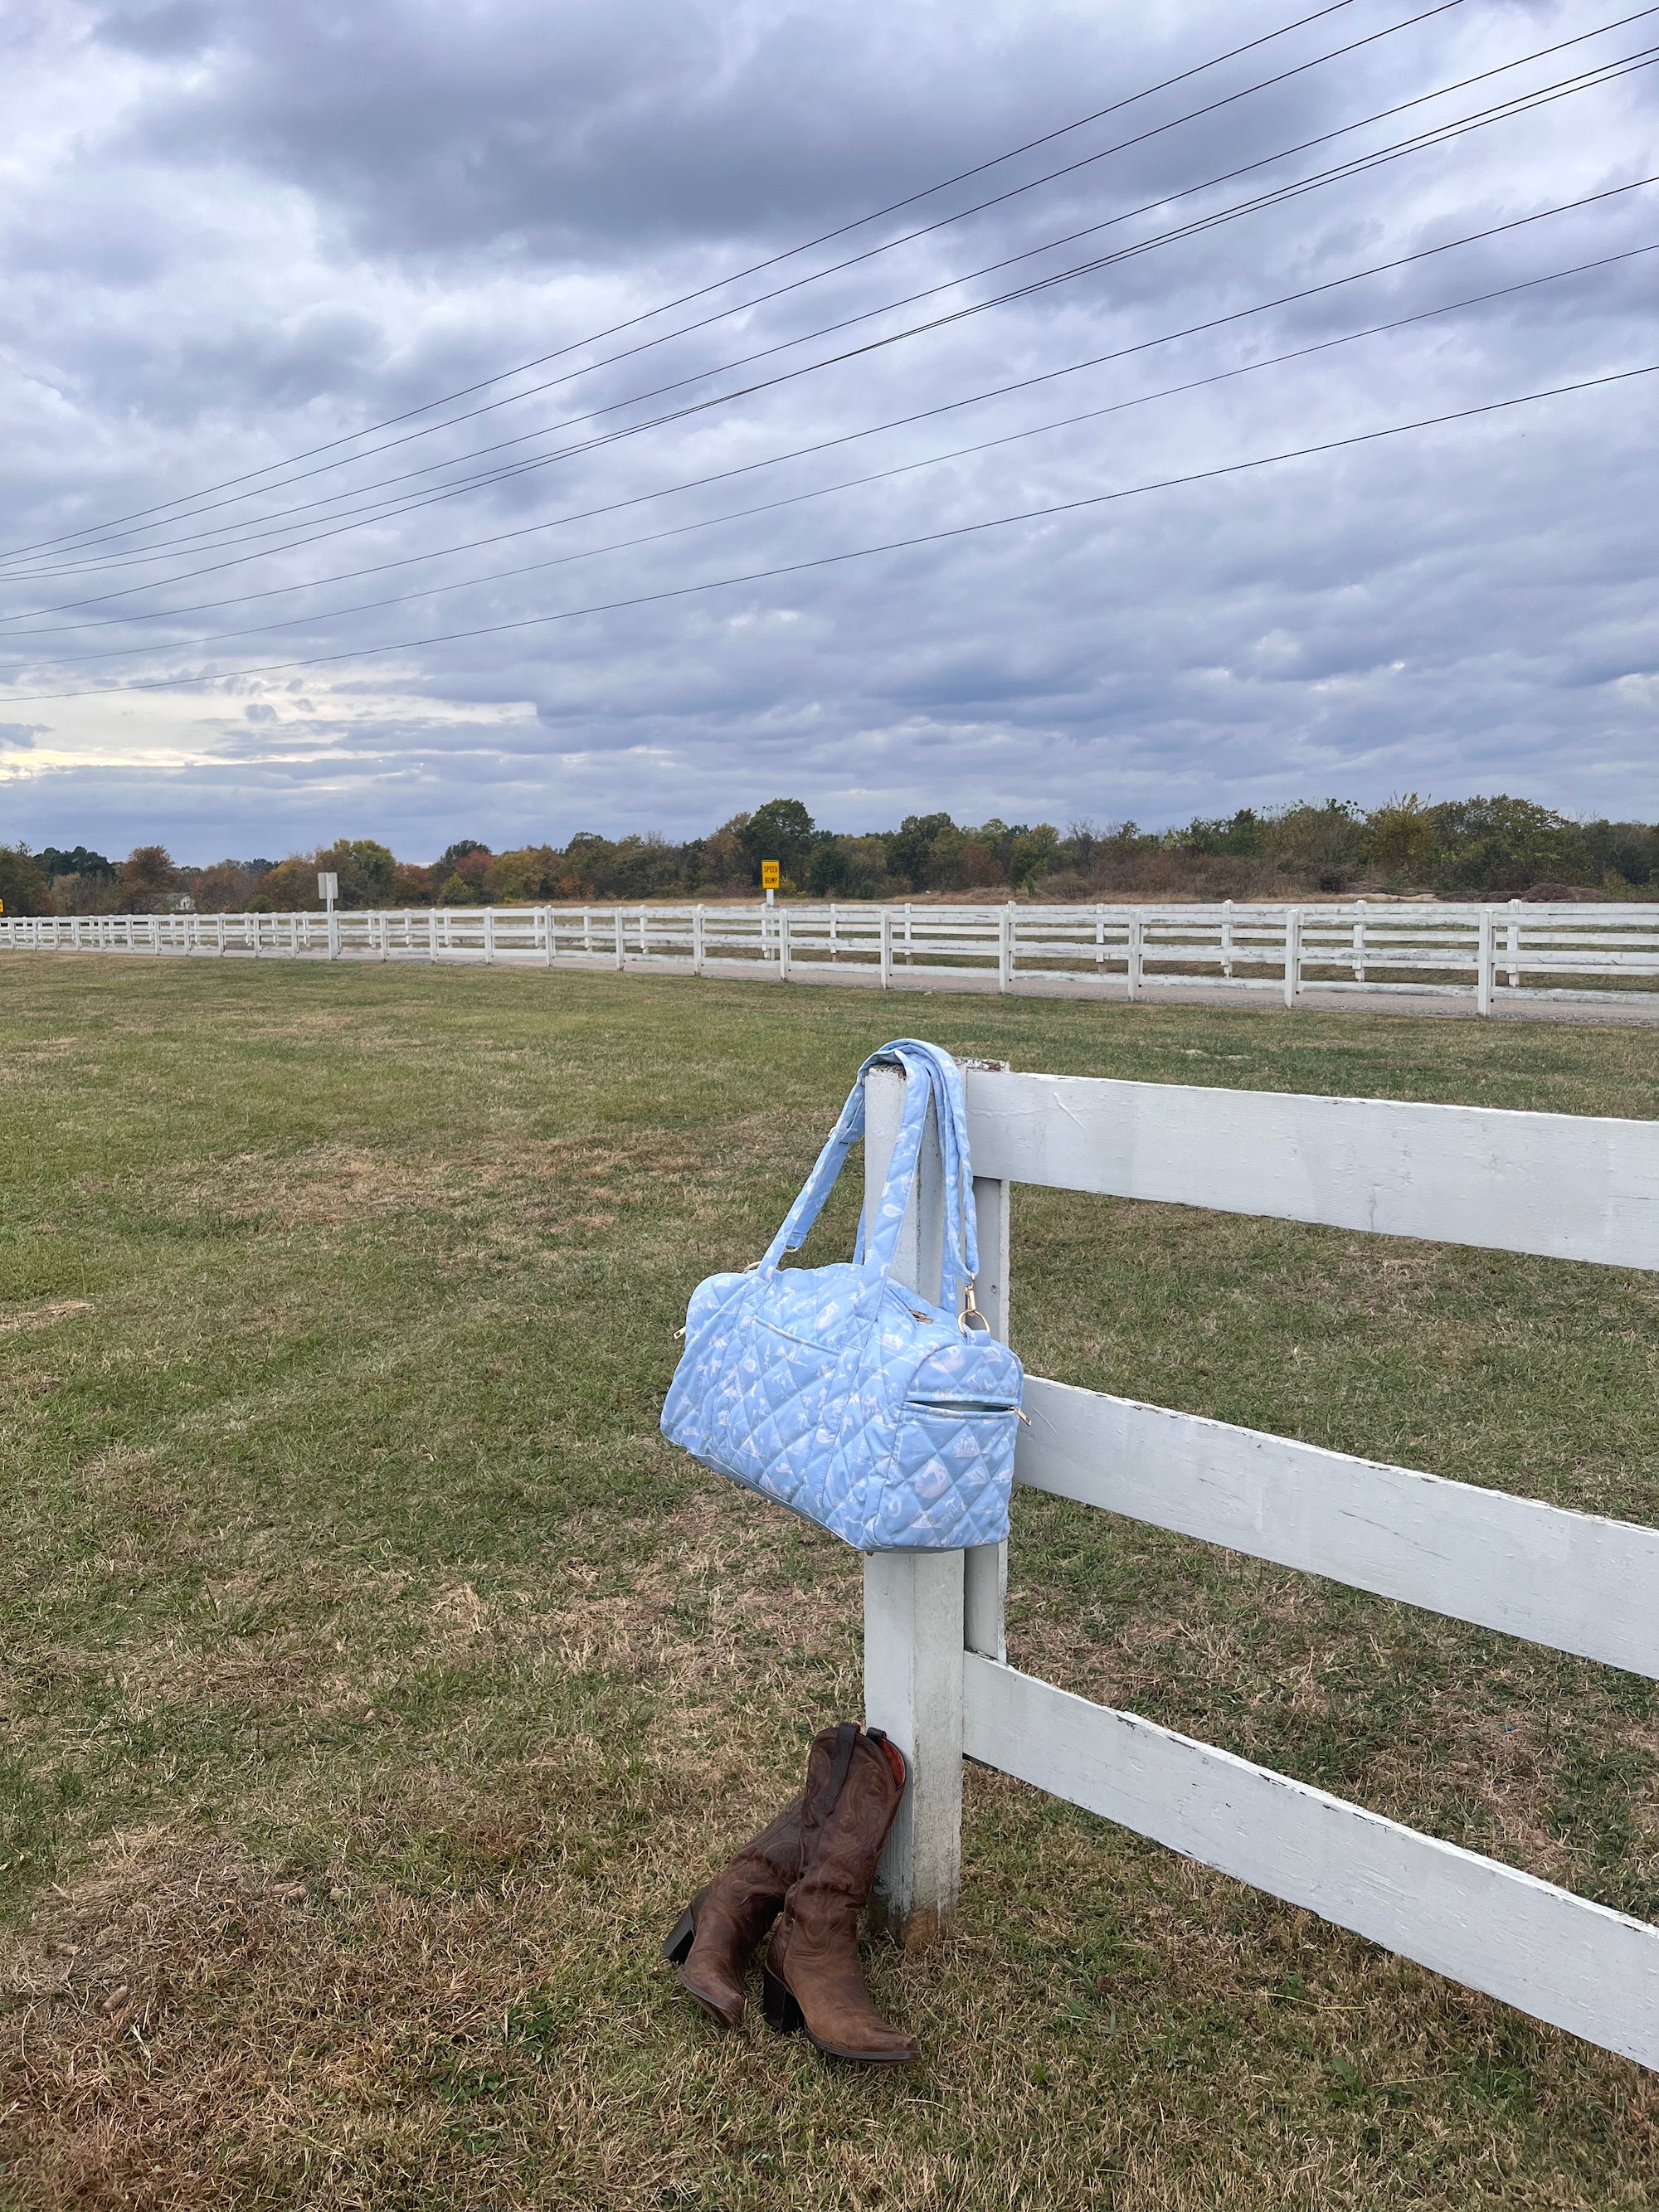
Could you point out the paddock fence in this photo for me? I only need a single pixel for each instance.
(936, 1671)
(1492, 955)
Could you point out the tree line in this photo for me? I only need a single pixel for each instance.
(1483, 847)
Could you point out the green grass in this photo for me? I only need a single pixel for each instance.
(377, 1683)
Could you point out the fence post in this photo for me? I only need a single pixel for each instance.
(699, 939)
(587, 931)
(1514, 943)
(986, 1567)
(1137, 948)
(912, 1608)
(1292, 953)
(1005, 947)
(1359, 945)
(1227, 938)
(887, 948)
(621, 940)
(783, 944)
(1485, 960)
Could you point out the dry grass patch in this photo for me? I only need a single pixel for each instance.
(13, 1318)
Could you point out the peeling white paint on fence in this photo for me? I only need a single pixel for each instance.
(1556, 1956)
(1574, 1581)
(1564, 1186)
(1587, 951)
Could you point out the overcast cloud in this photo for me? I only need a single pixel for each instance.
(233, 234)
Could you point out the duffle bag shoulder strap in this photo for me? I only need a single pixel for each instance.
(930, 1076)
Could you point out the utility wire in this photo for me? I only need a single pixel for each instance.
(721, 476)
(1440, 134)
(736, 277)
(879, 476)
(857, 553)
(820, 275)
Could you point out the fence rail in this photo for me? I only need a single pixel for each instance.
(1494, 955)
(936, 1671)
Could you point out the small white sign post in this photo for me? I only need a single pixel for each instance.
(771, 873)
(328, 890)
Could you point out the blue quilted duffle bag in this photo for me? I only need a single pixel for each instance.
(846, 1395)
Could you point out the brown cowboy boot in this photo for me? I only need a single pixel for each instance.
(812, 1975)
(716, 1936)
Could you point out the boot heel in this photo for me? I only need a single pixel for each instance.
(677, 1946)
(782, 2011)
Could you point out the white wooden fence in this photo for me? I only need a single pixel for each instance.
(936, 1672)
(1491, 954)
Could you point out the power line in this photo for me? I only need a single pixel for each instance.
(834, 269)
(902, 422)
(1437, 135)
(857, 553)
(736, 277)
(879, 476)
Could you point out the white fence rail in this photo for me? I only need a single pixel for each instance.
(1491, 954)
(936, 1675)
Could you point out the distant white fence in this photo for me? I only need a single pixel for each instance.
(1491, 954)
(936, 1674)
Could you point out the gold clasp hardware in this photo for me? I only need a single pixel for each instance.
(971, 1316)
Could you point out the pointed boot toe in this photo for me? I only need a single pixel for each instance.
(707, 1969)
(865, 2039)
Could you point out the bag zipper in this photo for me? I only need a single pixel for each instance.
(963, 1406)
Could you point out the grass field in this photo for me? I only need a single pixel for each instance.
(377, 1683)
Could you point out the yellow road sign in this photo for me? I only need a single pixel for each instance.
(768, 875)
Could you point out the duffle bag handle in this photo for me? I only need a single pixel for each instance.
(930, 1077)
(930, 1074)
(798, 1222)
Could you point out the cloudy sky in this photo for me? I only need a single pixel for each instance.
(238, 238)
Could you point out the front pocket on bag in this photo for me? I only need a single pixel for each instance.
(953, 1464)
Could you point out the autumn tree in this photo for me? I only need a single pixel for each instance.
(23, 886)
(781, 830)
(148, 883)
(1497, 847)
